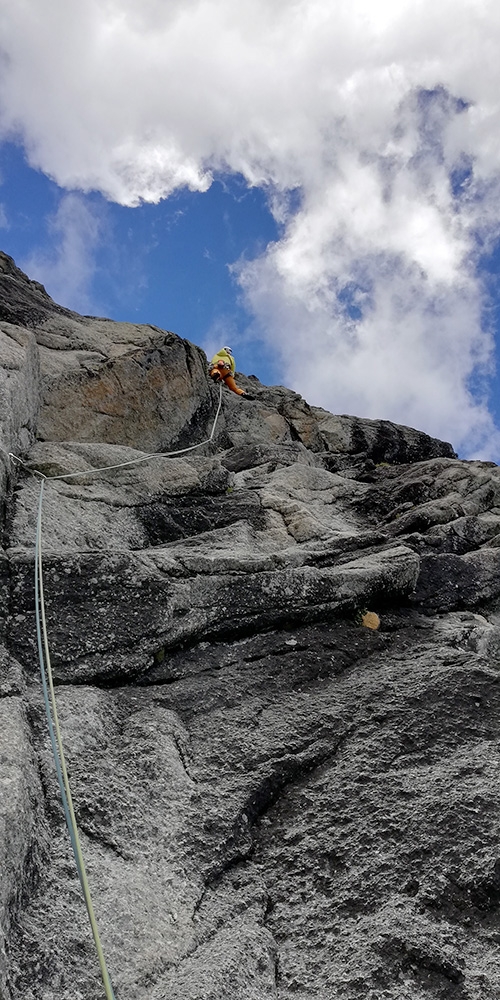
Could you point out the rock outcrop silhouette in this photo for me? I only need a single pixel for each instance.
(273, 800)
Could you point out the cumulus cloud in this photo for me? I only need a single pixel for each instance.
(373, 126)
(68, 265)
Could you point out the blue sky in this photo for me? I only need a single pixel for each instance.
(167, 264)
(317, 185)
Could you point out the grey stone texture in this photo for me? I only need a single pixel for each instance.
(273, 801)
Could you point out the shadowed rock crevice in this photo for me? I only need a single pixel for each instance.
(426, 967)
(168, 522)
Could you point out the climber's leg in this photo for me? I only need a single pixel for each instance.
(231, 384)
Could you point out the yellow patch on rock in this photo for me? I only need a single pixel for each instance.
(370, 620)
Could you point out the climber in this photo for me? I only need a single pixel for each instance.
(222, 368)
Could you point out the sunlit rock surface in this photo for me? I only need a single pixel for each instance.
(273, 800)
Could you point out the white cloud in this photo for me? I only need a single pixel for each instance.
(67, 267)
(4, 222)
(372, 108)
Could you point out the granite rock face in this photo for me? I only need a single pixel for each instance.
(273, 801)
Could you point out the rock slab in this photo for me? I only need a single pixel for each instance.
(273, 801)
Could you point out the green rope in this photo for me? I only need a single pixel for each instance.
(58, 750)
(45, 688)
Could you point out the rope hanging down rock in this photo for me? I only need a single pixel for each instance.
(48, 681)
(123, 465)
(57, 746)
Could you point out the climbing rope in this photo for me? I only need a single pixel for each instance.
(123, 465)
(57, 746)
(48, 681)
